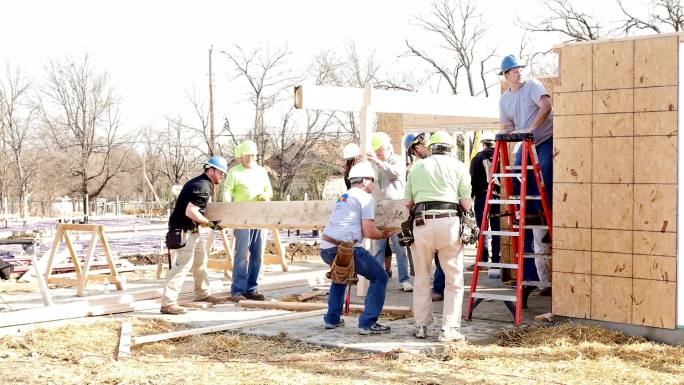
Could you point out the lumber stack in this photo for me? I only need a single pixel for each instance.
(615, 181)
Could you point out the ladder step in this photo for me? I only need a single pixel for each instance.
(537, 283)
(519, 167)
(504, 201)
(502, 233)
(542, 227)
(507, 175)
(498, 297)
(529, 197)
(498, 265)
(541, 256)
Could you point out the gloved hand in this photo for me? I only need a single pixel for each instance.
(215, 225)
(262, 197)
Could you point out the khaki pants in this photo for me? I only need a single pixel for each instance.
(441, 235)
(193, 254)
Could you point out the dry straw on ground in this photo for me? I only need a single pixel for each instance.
(563, 354)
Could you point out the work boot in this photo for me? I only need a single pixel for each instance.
(421, 332)
(406, 287)
(437, 297)
(255, 295)
(212, 300)
(375, 328)
(237, 297)
(334, 326)
(173, 309)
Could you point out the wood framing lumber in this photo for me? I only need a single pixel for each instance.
(296, 214)
(125, 340)
(218, 328)
(299, 306)
(546, 317)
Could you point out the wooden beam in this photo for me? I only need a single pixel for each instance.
(124, 351)
(219, 328)
(296, 214)
(299, 306)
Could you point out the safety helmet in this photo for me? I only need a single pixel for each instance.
(380, 139)
(509, 62)
(248, 148)
(351, 151)
(441, 137)
(487, 136)
(361, 170)
(413, 139)
(217, 162)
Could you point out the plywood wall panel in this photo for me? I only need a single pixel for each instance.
(571, 261)
(572, 160)
(572, 103)
(655, 159)
(611, 264)
(612, 206)
(575, 64)
(571, 239)
(654, 303)
(655, 243)
(572, 204)
(655, 267)
(611, 299)
(656, 61)
(655, 99)
(613, 101)
(655, 207)
(655, 123)
(572, 126)
(611, 241)
(571, 295)
(612, 125)
(613, 65)
(612, 160)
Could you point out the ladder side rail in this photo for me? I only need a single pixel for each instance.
(546, 203)
(521, 238)
(505, 162)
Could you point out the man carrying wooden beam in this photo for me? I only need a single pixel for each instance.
(247, 182)
(352, 219)
(187, 215)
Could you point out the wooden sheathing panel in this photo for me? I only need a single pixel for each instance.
(575, 64)
(612, 160)
(612, 125)
(611, 264)
(613, 101)
(655, 207)
(655, 99)
(655, 267)
(611, 241)
(571, 239)
(572, 160)
(611, 299)
(551, 84)
(612, 206)
(613, 65)
(571, 295)
(655, 243)
(655, 123)
(655, 159)
(654, 303)
(572, 204)
(571, 261)
(572, 103)
(656, 61)
(392, 125)
(572, 126)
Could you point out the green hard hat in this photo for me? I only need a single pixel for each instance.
(441, 137)
(380, 139)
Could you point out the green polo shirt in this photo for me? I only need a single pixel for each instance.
(439, 178)
(245, 184)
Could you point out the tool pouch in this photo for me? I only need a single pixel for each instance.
(469, 230)
(175, 239)
(342, 270)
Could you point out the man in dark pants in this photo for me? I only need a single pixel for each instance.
(480, 169)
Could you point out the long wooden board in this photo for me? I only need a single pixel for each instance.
(389, 214)
(299, 306)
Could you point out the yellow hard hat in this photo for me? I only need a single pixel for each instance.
(248, 147)
(380, 139)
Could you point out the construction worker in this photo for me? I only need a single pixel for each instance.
(187, 216)
(417, 149)
(245, 182)
(352, 219)
(526, 107)
(390, 185)
(350, 154)
(435, 188)
(480, 169)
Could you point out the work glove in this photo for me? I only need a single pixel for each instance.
(262, 197)
(215, 225)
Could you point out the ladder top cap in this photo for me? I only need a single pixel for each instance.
(519, 137)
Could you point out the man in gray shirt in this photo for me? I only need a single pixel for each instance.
(526, 107)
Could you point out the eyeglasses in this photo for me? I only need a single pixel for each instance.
(370, 179)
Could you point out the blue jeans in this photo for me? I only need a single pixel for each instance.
(438, 280)
(248, 245)
(402, 258)
(545, 156)
(492, 243)
(367, 267)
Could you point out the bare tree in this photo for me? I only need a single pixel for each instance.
(461, 29)
(176, 154)
(663, 15)
(83, 119)
(565, 20)
(17, 120)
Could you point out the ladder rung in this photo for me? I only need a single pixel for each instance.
(507, 175)
(504, 201)
(498, 297)
(543, 227)
(529, 197)
(541, 256)
(519, 167)
(497, 264)
(502, 233)
(537, 283)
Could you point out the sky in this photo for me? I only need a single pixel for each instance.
(157, 51)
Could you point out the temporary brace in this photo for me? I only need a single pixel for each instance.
(517, 206)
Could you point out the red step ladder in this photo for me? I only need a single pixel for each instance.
(517, 208)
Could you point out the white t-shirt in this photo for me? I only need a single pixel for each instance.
(345, 222)
(521, 107)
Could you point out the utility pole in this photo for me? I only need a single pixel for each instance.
(212, 132)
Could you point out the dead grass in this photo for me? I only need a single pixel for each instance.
(563, 354)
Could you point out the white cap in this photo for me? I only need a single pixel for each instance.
(362, 170)
(350, 151)
(487, 136)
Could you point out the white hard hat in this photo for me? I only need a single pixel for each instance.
(487, 136)
(362, 170)
(350, 151)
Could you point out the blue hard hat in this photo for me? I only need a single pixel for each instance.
(412, 138)
(509, 62)
(217, 162)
